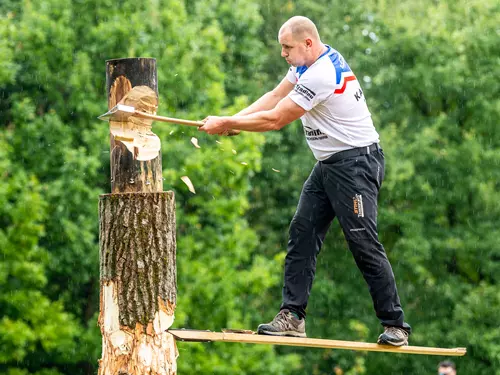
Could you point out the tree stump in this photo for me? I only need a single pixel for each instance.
(136, 236)
(138, 283)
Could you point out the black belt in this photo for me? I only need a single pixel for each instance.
(353, 152)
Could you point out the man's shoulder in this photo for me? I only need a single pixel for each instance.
(339, 65)
(321, 73)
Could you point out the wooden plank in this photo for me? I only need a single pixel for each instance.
(207, 336)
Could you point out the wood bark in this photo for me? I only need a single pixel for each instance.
(134, 167)
(138, 283)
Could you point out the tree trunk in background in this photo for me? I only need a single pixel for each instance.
(138, 283)
(130, 172)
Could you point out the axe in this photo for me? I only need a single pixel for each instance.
(121, 113)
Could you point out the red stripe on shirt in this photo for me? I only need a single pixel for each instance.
(342, 89)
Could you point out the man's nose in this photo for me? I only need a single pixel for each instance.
(283, 54)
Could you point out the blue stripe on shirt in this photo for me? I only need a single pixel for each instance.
(340, 64)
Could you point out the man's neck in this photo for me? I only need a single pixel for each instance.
(321, 50)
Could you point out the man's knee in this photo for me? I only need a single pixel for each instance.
(300, 224)
(302, 237)
(367, 251)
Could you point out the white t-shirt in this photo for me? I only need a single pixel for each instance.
(337, 116)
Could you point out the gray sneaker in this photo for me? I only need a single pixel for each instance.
(284, 324)
(395, 336)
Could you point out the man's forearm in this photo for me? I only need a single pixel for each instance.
(285, 112)
(264, 103)
(261, 121)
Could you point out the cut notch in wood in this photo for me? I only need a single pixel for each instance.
(207, 336)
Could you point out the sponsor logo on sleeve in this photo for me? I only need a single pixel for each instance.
(308, 94)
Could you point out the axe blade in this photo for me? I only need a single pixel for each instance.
(119, 112)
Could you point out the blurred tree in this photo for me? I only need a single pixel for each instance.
(32, 326)
(53, 53)
(429, 71)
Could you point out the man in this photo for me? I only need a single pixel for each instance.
(447, 368)
(321, 89)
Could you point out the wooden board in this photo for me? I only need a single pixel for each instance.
(208, 336)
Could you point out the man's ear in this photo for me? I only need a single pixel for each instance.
(309, 43)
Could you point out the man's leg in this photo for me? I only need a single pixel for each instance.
(352, 186)
(307, 231)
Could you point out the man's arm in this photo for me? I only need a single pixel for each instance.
(270, 99)
(285, 112)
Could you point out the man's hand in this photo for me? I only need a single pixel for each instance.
(214, 125)
(284, 113)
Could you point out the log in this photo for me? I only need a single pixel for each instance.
(138, 283)
(135, 150)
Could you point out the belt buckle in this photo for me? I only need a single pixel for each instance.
(368, 150)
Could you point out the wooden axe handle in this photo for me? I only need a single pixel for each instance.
(172, 120)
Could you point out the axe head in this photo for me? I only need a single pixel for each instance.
(119, 113)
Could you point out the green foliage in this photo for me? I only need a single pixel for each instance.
(31, 325)
(429, 71)
(60, 49)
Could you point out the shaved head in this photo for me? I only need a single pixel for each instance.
(300, 28)
(300, 42)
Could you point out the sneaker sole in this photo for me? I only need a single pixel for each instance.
(284, 333)
(385, 342)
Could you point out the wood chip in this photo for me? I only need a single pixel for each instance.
(218, 142)
(194, 141)
(244, 163)
(123, 139)
(188, 183)
(276, 170)
(234, 151)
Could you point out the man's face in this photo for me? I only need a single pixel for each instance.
(446, 371)
(294, 52)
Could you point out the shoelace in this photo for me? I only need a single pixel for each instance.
(397, 331)
(282, 320)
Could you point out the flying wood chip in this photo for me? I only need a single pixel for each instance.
(194, 141)
(188, 183)
(276, 170)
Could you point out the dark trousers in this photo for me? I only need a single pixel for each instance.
(347, 189)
